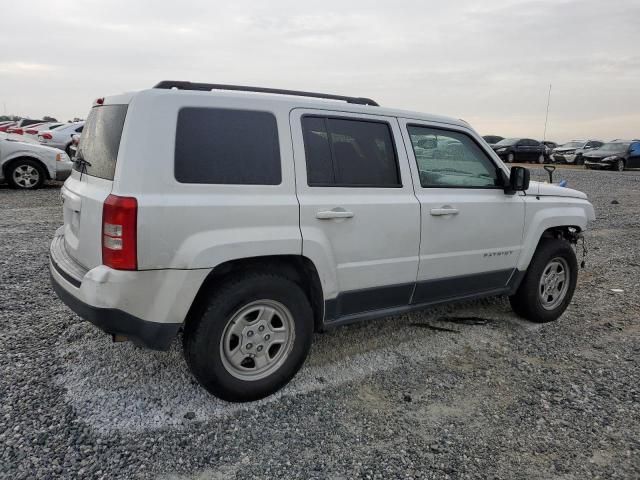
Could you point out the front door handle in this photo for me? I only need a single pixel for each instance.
(444, 211)
(335, 213)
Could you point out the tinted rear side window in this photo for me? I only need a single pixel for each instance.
(343, 152)
(100, 141)
(221, 146)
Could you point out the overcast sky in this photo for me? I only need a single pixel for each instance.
(489, 62)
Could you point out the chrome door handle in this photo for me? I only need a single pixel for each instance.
(443, 211)
(335, 213)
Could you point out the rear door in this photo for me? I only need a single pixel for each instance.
(90, 183)
(359, 216)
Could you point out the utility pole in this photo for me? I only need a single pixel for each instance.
(546, 118)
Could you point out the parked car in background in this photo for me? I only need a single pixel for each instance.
(31, 132)
(61, 137)
(520, 150)
(492, 139)
(616, 155)
(27, 165)
(5, 125)
(571, 152)
(18, 128)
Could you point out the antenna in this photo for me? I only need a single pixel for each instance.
(546, 118)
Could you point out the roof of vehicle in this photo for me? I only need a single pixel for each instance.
(291, 100)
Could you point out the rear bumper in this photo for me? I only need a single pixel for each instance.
(146, 306)
(157, 336)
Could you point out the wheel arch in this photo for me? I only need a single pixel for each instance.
(12, 159)
(296, 268)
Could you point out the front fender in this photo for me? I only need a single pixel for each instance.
(46, 163)
(543, 213)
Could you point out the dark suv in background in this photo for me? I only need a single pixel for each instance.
(571, 152)
(616, 155)
(520, 150)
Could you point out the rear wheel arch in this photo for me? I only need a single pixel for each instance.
(296, 268)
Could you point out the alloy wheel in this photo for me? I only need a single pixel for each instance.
(554, 283)
(257, 340)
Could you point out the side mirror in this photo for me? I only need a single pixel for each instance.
(518, 180)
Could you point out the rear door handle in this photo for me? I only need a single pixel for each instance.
(443, 211)
(335, 213)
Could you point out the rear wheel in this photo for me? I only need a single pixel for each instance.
(548, 285)
(252, 338)
(541, 159)
(510, 158)
(26, 174)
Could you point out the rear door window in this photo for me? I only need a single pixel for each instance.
(101, 141)
(342, 152)
(222, 146)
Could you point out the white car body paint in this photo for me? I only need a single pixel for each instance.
(11, 149)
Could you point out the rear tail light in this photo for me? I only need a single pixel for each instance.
(16, 130)
(31, 132)
(119, 233)
(46, 136)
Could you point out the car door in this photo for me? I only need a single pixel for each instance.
(359, 216)
(633, 159)
(522, 153)
(471, 231)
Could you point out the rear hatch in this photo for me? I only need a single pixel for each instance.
(91, 182)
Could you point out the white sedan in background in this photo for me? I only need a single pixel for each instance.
(27, 165)
(61, 137)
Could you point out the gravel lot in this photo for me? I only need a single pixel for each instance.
(481, 395)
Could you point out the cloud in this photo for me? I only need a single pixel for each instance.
(489, 62)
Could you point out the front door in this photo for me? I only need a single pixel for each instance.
(471, 232)
(359, 216)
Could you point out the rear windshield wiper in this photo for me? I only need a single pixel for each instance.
(82, 164)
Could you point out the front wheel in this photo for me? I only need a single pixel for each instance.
(620, 165)
(541, 159)
(548, 285)
(510, 158)
(252, 337)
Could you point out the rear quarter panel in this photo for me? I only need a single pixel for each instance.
(189, 226)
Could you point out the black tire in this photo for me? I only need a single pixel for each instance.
(511, 158)
(28, 164)
(619, 165)
(527, 302)
(203, 336)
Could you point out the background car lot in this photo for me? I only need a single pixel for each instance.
(467, 390)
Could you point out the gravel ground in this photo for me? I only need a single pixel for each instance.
(482, 395)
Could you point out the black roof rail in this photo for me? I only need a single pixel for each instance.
(182, 85)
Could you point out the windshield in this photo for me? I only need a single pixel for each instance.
(614, 147)
(100, 141)
(572, 145)
(507, 141)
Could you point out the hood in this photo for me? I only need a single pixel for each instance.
(566, 149)
(600, 154)
(553, 190)
(10, 145)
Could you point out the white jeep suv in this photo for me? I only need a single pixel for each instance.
(252, 217)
